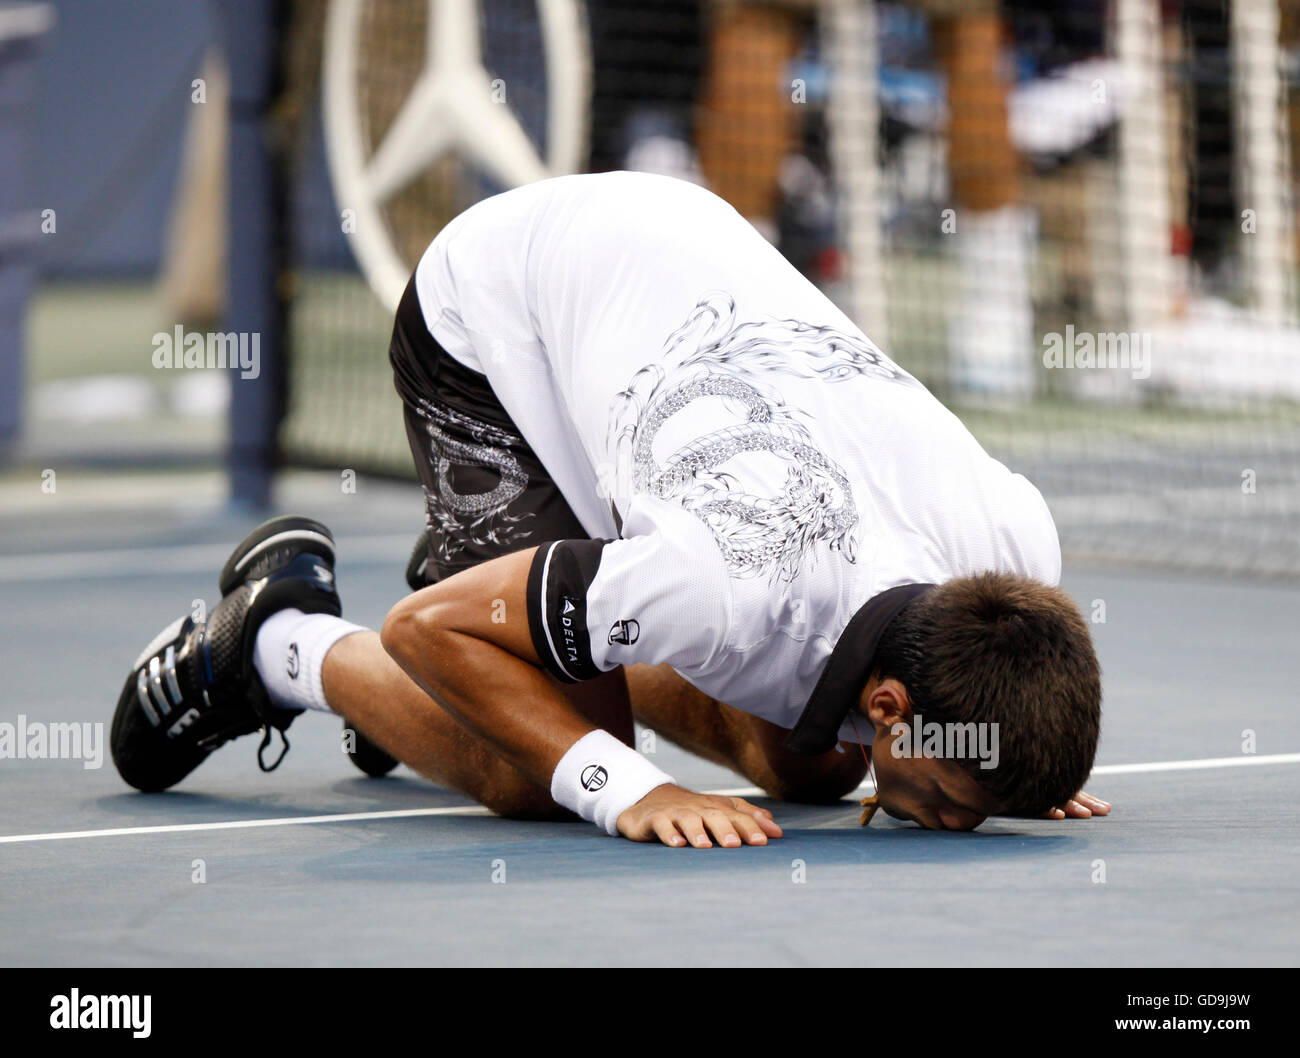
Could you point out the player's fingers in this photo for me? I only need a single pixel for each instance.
(1054, 813)
(762, 816)
(666, 831)
(1074, 810)
(719, 824)
(752, 809)
(692, 826)
(1095, 804)
(751, 833)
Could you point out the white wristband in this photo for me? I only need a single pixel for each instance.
(600, 778)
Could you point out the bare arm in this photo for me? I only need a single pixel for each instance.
(465, 641)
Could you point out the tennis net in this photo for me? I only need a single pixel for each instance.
(1078, 227)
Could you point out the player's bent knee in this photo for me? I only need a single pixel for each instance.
(395, 630)
(407, 631)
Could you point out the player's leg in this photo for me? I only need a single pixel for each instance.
(276, 646)
(747, 744)
(486, 495)
(364, 753)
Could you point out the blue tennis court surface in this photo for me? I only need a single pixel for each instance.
(1196, 865)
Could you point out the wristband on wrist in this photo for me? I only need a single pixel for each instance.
(600, 778)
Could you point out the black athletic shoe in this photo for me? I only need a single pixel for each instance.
(195, 688)
(372, 760)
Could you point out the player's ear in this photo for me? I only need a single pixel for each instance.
(886, 703)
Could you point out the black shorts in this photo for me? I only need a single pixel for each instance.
(486, 492)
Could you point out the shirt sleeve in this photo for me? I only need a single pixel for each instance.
(655, 597)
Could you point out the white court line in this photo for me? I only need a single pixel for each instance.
(475, 810)
(1190, 765)
(248, 824)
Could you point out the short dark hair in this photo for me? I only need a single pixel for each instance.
(1000, 648)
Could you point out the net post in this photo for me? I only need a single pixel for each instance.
(256, 248)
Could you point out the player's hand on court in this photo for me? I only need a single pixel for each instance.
(679, 817)
(1081, 806)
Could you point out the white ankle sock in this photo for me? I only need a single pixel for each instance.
(289, 652)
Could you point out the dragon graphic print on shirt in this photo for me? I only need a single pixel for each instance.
(717, 356)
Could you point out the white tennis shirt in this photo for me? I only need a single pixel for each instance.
(751, 468)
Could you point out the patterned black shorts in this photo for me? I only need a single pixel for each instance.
(486, 492)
